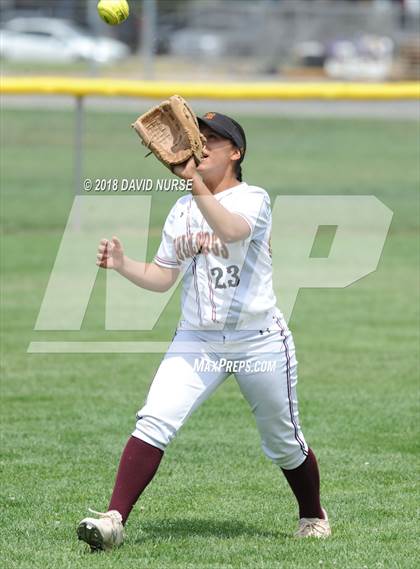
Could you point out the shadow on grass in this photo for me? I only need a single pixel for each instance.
(202, 527)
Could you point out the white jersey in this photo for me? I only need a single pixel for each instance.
(225, 285)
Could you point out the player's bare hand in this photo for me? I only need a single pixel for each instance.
(110, 254)
(187, 170)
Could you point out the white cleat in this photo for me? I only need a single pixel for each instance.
(314, 527)
(103, 533)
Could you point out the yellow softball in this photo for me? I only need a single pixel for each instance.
(113, 12)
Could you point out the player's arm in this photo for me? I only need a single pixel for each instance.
(229, 226)
(145, 275)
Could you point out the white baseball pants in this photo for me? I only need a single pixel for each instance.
(197, 362)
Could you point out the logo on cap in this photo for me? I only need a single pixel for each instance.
(209, 116)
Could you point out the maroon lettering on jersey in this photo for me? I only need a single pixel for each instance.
(202, 242)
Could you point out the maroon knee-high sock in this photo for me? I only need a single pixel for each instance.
(304, 481)
(139, 463)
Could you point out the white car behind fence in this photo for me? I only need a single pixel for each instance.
(52, 40)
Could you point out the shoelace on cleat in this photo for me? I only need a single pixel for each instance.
(312, 525)
(109, 515)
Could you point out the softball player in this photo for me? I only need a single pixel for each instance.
(218, 238)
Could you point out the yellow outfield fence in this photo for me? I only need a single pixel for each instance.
(83, 87)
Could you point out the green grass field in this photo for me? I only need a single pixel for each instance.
(216, 502)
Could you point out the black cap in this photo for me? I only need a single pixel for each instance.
(226, 127)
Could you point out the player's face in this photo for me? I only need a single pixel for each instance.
(219, 154)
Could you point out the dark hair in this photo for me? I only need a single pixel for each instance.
(238, 170)
(237, 167)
